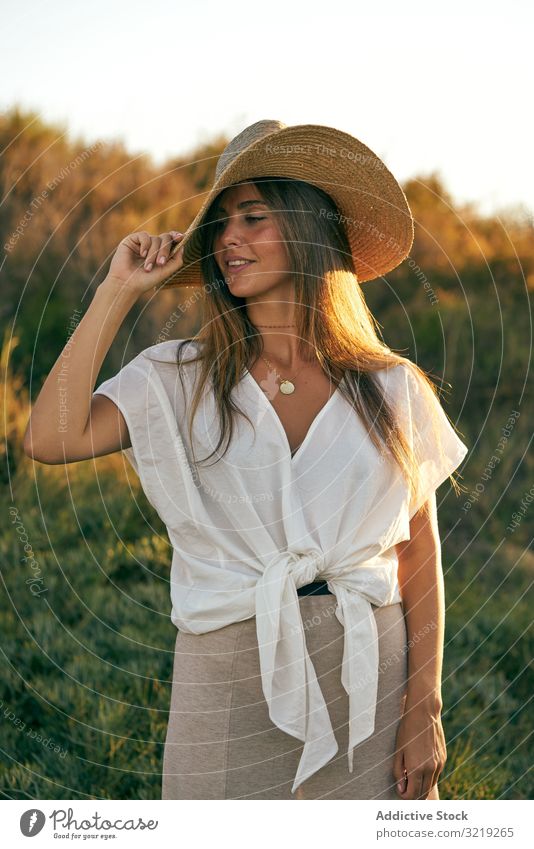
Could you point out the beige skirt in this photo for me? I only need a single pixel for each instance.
(221, 743)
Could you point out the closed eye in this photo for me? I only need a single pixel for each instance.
(219, 224)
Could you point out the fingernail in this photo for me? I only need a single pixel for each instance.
(399, 786)
(149, 266)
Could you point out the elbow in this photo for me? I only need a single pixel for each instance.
(27, 444)
(37, 451)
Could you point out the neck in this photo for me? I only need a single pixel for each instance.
(280, 313)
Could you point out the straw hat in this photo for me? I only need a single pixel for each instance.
(371, 203)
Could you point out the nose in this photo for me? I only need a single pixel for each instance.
(229, 237)
(230, 230)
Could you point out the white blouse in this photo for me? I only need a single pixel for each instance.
(247, 530)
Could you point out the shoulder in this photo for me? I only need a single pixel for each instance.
(411, 394)
(160, 360)
(400, 378)
(167, 352)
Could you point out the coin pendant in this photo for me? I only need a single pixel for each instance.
(286, 387)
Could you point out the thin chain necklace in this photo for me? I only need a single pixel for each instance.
(287, 387)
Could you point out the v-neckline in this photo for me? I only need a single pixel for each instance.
(293, 458)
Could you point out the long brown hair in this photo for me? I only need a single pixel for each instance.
(331, 315)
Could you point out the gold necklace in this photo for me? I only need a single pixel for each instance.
(287, 387)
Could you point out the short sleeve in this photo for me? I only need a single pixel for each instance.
(122, 389)
(437, 447)
(157, 452)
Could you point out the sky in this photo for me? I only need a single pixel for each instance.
(427, 86)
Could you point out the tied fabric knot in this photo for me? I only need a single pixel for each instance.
(294, 698)
(289, 681)
(306, 567)
(359, 671)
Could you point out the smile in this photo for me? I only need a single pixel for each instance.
(239, 266)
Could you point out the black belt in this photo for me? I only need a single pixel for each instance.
(316, 588)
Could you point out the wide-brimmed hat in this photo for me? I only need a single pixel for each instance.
(372, 205)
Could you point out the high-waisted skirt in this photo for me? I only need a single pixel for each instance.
(221, 742)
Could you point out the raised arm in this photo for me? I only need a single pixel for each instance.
(67, 421)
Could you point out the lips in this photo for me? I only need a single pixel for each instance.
(238, 259)
(235, 269)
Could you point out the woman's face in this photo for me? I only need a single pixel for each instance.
(247, 228)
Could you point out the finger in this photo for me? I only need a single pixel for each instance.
(434, 779)
(428, 779)
(412, 784)
(402, 787)
(155, 243)
(143, 240)
(421, 782)
(165, 248)
(399, 770)
(177, 243)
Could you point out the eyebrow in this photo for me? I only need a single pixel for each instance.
(242, 205)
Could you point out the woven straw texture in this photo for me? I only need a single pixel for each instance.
(372, 205)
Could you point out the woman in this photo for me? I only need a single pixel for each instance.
(306, 579)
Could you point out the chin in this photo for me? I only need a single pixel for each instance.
(236, 282)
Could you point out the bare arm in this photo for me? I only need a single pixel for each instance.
(421, 587)
(58, 430)
(420, 744)
(68, 422)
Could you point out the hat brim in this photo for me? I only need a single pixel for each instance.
(372, 205)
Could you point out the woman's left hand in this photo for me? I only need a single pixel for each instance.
(421, 752)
